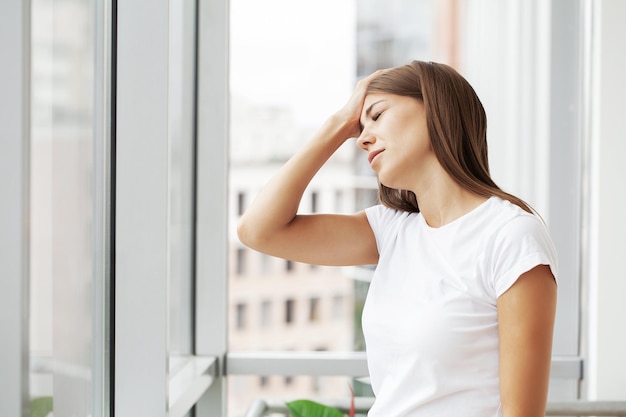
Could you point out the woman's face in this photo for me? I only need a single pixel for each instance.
(395, 136)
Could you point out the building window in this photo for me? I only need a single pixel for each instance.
(241, 202)
(240, 316)
(264, 381)
(288, 380)
(241, 261)
(289, 310)
(289, 265)
(337, 308)
(266, 313)
(266, 264)
(314, 303)
(314, 201)
(339, 196)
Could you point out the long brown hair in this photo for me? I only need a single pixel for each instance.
(457, 126)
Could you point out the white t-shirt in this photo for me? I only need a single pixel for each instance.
(430, 320)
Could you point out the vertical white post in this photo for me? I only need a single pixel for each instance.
(141, 192)
(211, 195)
(566, 66)
(14, 209)
(606, 234)
(101, 343)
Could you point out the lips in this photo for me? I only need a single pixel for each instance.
(373, 154)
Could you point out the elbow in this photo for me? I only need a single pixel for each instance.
(244, 233)
(257, 234)
(248, 234)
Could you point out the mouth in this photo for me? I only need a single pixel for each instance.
(373, 155)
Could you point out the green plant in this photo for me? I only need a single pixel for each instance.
(40, 406)
(308, 408)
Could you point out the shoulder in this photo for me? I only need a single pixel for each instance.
(386, 223)
(519, 242)
(380, 214)
(516, 227)
(505, 220)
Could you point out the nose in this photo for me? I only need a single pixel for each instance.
(365, 140)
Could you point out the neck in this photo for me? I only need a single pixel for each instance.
(443, 200)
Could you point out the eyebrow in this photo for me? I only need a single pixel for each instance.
(368, 111)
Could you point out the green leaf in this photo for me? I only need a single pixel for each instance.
(307, 408)
(40, 407)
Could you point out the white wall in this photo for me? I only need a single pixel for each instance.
(606, 349)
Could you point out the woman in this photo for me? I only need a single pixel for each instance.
(459, 316)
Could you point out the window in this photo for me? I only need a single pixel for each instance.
(289, 265)
(241, 316)
(266, 264)
(241, 202)
(314, 307)
(337, 307)
(289, 311)
(314, 202)
(266, 314)
(70, 172)
(66, 233)
(339, 203)
(241, 261)
(269, 121)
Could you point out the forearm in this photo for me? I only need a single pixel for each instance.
(277, 203)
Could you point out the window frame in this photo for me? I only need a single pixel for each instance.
(141, 218)
(15, 208)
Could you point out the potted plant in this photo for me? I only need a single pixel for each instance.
(308, 408)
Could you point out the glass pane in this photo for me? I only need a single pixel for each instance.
(286, 79)
(63, 231)
(276, 104)
(275, 107)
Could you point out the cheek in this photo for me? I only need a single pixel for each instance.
(417, 146)
(412, 157)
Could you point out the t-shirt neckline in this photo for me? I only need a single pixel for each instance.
(459, 219)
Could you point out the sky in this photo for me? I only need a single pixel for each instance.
(294, 53)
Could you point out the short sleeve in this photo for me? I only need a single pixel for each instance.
(384, 223)
(520, 245)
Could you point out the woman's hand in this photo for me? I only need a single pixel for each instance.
(350, 113)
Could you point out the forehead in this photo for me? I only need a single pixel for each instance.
(372, 98)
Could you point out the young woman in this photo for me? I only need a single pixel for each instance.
(459, 316)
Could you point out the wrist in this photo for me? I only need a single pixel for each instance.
(341, 127)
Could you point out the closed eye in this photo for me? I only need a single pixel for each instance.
(377, 115)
